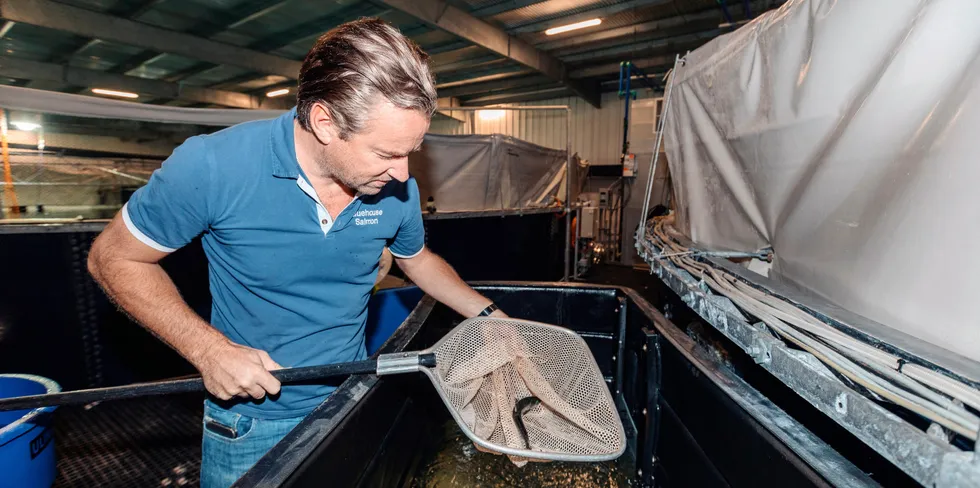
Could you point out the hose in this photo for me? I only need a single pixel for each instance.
(917, 389)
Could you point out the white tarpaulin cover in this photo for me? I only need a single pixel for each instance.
(462, 173)
(846, 135)
(488, 172)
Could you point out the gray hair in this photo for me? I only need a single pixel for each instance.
(354, 65)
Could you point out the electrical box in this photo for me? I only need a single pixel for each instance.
(590, 217)
(629, 166)
(603, 198)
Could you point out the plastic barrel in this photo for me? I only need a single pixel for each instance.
(27, 457)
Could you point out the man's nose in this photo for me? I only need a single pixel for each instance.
(399, 170)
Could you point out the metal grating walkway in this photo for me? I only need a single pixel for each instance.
(152, 442)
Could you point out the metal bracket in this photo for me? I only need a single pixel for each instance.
(401, 362)
(913, 451)
(959, 470)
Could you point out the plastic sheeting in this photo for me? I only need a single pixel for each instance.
(50, 102)
(488, 172)
(844, 134)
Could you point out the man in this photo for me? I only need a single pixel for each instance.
(294, 215)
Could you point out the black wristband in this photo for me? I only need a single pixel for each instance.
(489, 310)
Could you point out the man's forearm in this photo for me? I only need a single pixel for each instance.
(145, 292)
(439, 280)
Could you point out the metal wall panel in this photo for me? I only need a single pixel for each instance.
(597, 134)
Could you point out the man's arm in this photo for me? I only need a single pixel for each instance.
(384, 266)
(438, 279)
(129, 272)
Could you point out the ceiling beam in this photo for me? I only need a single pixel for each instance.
(646, 48)
(472, 63)
(527, 96)
(290, 35)
(86, 23)
(485, 78)
(502, 7)
(462, 54)
(600, 12)
(670, 26)
(491, 86)
(441, 14)
(498, 65)
(38, 71)
(127, 11)
(6, 28)
(245, 12)
(613, 68)
(630, 30)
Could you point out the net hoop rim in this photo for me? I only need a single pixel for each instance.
(544, 455)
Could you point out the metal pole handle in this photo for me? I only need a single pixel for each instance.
(167, 387)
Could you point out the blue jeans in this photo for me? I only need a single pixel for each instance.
(233, 443)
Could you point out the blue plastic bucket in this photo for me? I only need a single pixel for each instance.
(387, 309)
(27, 457)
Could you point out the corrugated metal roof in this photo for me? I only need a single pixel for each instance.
(36, 43)
(178, 17)
(293, 13)
(91, 4)
(215, 75)
(475, 4)
(167, 64)
(105, 55)
(287, 28)
(619, 19)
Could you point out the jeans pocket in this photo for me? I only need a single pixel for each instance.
(226, 424)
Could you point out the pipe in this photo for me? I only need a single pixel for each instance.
(568, 186)
(8, 177)
(578, 239)
(724, 10)
(655, 159)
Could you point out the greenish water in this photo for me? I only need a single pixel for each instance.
(456, 462)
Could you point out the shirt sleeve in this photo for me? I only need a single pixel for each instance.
(172, 208)
(410, 238)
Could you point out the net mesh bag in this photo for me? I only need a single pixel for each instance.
(529, 390)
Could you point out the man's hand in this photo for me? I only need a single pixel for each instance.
(230, 370)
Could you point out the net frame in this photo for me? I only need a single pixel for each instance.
(567, 336)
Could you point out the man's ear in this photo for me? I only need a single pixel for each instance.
(322, 124)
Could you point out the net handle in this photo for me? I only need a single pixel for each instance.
(196, 383)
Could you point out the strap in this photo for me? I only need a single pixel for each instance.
(489, 310)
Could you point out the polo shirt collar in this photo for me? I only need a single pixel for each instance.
(284, 162)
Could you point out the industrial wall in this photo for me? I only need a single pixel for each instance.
(597, 134)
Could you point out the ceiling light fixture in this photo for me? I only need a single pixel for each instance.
(570, 27)
(26, 126)
(114, 93)
(491, 114)
(277, 93)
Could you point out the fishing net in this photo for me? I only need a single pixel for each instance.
(528, 390)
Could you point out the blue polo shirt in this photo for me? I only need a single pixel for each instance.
(284, 276)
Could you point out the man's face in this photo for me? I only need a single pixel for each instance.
(369, 159)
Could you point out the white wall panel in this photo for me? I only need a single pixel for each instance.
(597, 134)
